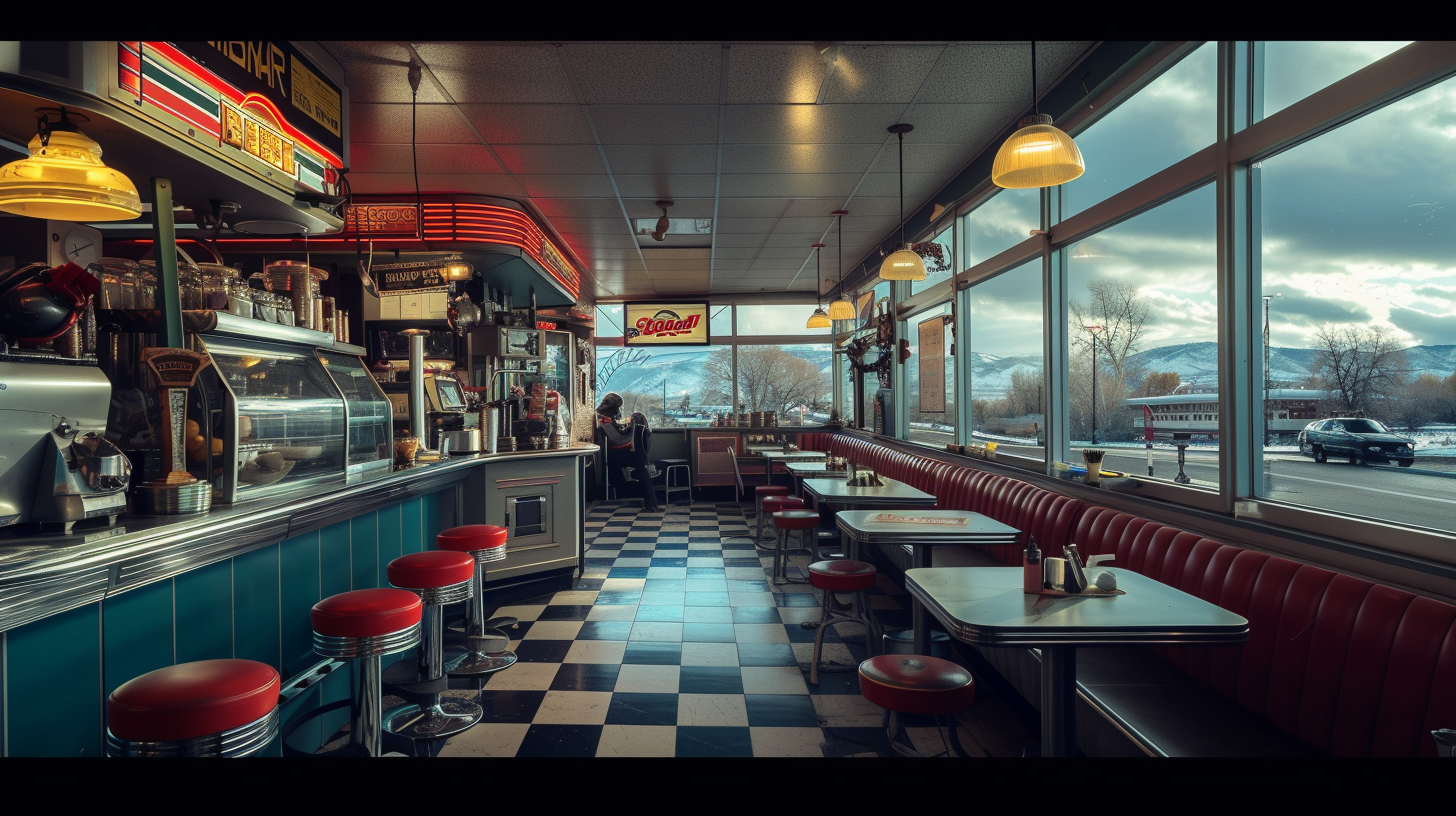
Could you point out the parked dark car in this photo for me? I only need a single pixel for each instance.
(1362, 440)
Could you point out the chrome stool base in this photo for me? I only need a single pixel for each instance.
(444, 718)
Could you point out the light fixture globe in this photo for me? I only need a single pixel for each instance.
(841, 310)
(903, 264)
(65, 180)
(818, 320)
(457, 270)
(1037, 155)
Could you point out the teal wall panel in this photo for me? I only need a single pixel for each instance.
(439, 515)
(390, 544)
(298, 582)
(364, 543)
(137, 627)
(335, 559)
(255, 606)
(412, 528)
(204, 619)
(53, 690)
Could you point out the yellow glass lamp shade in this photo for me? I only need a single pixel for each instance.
(458, 270)
(903, 264)
(65, 180)
(841, 310)
(818, 320)
(1037, 155)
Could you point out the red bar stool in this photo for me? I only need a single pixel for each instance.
(362, 626)
(843, 575)
(207, 708)
(805, 524)
(769, 505)
(917, 684)
(439, 577)
(759, 494)
(486, 543)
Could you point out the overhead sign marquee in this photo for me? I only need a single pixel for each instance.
(666, 324)
(260, 104)
(409, 277)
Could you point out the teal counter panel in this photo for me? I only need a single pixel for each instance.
(412, 526)
(298, 582)
(204, 622)
(364, 544)
(390, 540)
(335, 560)
(53, 686)
(256, 592)
(138, 633)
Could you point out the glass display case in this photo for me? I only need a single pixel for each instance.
(368, 411)
(290, 411)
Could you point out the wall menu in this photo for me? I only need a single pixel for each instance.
(666, 324)
(932, 366)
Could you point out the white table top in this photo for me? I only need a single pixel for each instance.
(985, 605)
(861, 525)
(779, 454)
(797, 468)
(837, 490)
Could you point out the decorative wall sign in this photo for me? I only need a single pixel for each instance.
(666, 324)
(409, 277)
(932, 366)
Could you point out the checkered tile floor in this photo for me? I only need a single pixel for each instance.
(675, 643)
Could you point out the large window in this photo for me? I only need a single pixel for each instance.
(1169, 120)
(1008, 399)
(1360, 286)
(930, 379)
(1143, 322)
(1002, 222)
(1293, 70)
(937, 269)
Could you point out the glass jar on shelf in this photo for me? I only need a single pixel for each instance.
(118, 283)
(300, 283)
(215, 279)
(239, 297)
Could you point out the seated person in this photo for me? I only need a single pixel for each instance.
(622, 450)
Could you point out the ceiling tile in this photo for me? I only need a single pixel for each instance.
(433, 158)
(813, 124)
(659, 159)
(666, 124)
(530, 124)
(673, 187)
(580, 207)
(880, 74)
(801, 158)
(376, 71)
(796, 185)
(499, 72)
(563, 185)
(553, 159)
(659, 73)
(434, 124)
(774, 73)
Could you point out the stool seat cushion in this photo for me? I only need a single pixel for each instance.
(842, 575)
(192, 700)
(796, 519)
(472, 537)
(366, 613)
(664, 462)
(771, 490)
(916, 684)
(773, 504)
(431, 569)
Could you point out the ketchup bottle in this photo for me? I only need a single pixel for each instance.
(1031, 580)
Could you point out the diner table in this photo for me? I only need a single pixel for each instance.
(928, 529)
(781, 457)
(801, 470)
(986, 606)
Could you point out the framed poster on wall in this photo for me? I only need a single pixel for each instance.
(665, 324)
(932, 366)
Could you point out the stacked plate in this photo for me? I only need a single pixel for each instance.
(148, 499)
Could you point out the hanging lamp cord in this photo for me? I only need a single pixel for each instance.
(1035, 106)
(902, 187)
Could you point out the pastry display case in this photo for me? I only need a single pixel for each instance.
(290, 409)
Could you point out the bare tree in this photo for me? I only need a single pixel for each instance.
(769, 378)
(1157, 384)
(1358, 365)
(1422, 402)
(1024, 396)
(1121, 315)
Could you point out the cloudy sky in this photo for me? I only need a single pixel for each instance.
(1356, 224)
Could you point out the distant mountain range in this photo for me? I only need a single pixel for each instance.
(684, 369)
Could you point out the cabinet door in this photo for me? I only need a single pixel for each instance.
(535, 500)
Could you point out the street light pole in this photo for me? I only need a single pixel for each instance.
(1094, 330)
(1266, 365)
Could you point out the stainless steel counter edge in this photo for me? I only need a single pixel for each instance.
(43, 576)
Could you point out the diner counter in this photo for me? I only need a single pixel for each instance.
(41, 576)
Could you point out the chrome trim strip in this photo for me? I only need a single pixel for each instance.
(502, 484)
(353, 648)
(438, 596)
(242, 741)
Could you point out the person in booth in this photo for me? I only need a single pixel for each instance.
(626, 447)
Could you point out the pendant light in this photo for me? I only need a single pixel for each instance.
(903, 263)
(1038, 154)
(819, 319)
(64, 179)
(841, 309)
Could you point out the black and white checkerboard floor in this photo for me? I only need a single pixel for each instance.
(675, 643)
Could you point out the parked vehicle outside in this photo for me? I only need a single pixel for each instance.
(1360, 439)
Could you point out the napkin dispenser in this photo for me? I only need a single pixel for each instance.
(863, 477)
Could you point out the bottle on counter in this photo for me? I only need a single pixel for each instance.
(1031, 579)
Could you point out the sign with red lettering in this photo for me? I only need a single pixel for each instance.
(666, 324)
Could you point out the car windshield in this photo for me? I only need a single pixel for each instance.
(1364, 426)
